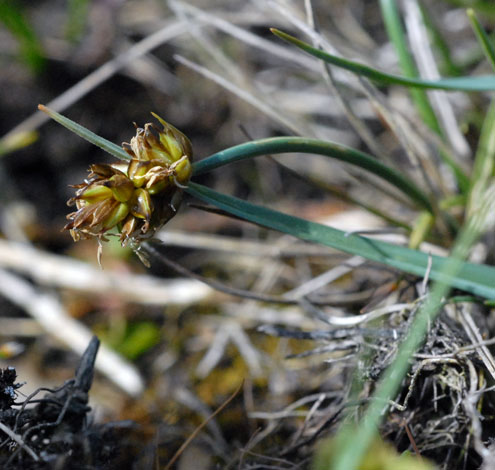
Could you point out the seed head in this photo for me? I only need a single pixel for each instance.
(139, 197)
(160, 157)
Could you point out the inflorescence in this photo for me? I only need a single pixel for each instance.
(137, 197)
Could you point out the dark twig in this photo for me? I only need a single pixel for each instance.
(201, 426)
(15, 437)
(154, 253)
(411, 439)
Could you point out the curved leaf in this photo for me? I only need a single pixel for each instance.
(474, 278)
(478, 83)
(276, 145)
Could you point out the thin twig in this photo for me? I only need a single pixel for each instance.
(201, 426)
(153, 252)
(261, 102)
(255, 248)
(15, 437)
(100, 75)
(47, 309)
(49, 269)
(411, 439)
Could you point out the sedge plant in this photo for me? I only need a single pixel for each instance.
(141, 193)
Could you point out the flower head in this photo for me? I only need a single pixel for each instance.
(160, 157)
(139, 197)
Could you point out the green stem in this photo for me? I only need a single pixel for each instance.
(277, 145)
(351, 450)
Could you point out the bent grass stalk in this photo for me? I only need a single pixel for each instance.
(397, 36)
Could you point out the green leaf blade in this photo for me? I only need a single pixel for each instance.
(478, 83)
(86, 134)
(476, 279)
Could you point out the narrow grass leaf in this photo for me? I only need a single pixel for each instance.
(86, 134)
(396, 35)
(484, 162)
(478, 83)
(393, 24)
(482, 37)
(353, 441)
(473, 278)
(446, 62)
(276, 145)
